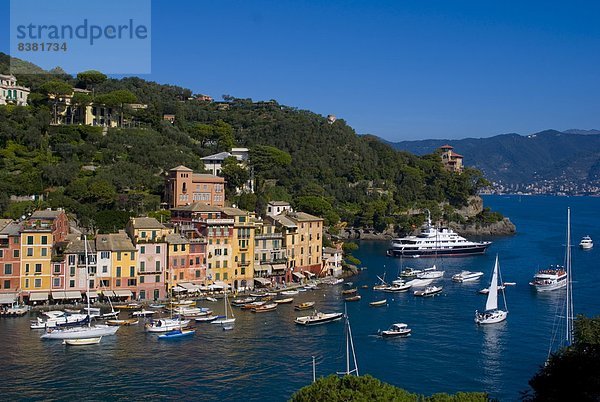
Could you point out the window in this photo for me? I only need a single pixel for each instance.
(1, 253)
(142, 249)
(44, 251)
(29, 251)
(72, 283)
(118, 283)
(174, 262)
(175, 248)
(217, 276)
(183, 247)
(105, 269)
(157, 249)
(44, 239)
(131, 282)
(197, 273)
(26, 282)
(142, 266)
(7, 269)
(183, 262)
(118, 256)
(143, 235)
(224, 276)
(15, 253)
(142, 278)
(131, 272)
(72, 271)
(158, 265)
(104, 255)
(132, 255)
(156, 294)
(224, 264)
(142, 292)
(37, 283)
(119, 272)
(29, 239)
(56, 268)
(243, 271)
(6, 284)
(38, 268)
(71, 259)
(180, 275)
(55, 282)
(157, 279)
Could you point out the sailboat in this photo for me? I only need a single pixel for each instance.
(492, 314)
(89, 332)
(568, 305)
(349, 350)
(225, 321)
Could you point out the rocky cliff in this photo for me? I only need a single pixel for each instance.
(502, 228)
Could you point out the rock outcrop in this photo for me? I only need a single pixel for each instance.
(501, 228)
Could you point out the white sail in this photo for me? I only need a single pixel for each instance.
(492, 299)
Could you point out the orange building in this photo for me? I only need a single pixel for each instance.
(451, 160)
(185, 187)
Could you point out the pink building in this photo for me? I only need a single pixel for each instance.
(185, 187)
(10, 260)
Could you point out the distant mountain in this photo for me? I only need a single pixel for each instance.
(512, 159)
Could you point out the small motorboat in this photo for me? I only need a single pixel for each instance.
(431, 273)
(364, 287)
(241, 302)
(252, 305)
(265, 308)
(227, 327)
(353, 298)
(378, 303)
(208, 318)
(510, 284)
(429, 291)
(419, 283)
(129, 321)
(130, 306)
(211, 299)
(108, 316)
(348, 284)
(304, 306)
(467, 276)
(290, 292)
(72, 310)
(410, 273)
(156, 306)
(82, 341)
(318, 318)
(398, 287)
(284, 301)
(485, 291)
(396, 330)
(143, 313)
(586, 243)
(177, 333)
(349, 291)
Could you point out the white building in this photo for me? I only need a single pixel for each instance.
(11, 93)
(275, 208)
(214, 164)
(332, 261)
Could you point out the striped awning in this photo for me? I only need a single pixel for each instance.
(73, 294)
(123, 293)
(92, 294)
(298, 275)
(277, 267)
(38, 296)
(58, 295)
(108, 293)
(263, 281)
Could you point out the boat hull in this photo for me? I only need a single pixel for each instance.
(439, 252)
(310, 320)
(80, 333)
(490, 317)
(82, 342)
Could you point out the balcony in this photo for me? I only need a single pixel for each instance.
(220, 221)
(244, 263)
(265, 236)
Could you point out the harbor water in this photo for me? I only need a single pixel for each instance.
(266, 357)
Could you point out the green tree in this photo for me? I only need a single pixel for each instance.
(118, 98)
(90, 78)
(235, 176)
(55, 90)
(79, 102)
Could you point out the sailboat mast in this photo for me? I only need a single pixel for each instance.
(569, 301)
(87, 280)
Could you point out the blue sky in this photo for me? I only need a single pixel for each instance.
(398, 69)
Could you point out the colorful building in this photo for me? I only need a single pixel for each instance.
(451, 160)
(185, 187)
(11, 93)
(270, 260)
(38, 235)
(10, 260)
(149, 237)
(241, 271)
(117, 266)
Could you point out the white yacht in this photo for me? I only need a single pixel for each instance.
(586, 243)
(318, 318)
(467, 276)
(552, 278)
(434, 241)
(492, 313)
(431, 273)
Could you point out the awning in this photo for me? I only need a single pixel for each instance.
(73, 294)
(92, 294)
(190, 287)
(298, 275)
(39, 296)
(178, 289)
(277, 267)
(309, 274)
(108, 293)
(263, 281)
(58, 295)
(8, 298)
(123, 293)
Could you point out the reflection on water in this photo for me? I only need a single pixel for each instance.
(493, 353)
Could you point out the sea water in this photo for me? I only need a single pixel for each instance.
(267, 357)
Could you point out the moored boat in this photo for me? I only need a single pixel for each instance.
(433, 242)
(284, 301)
(290, 292)
(304, 306)
(265, 308)
(431, 273)
(428, 291)
(586, 243)
(82, 341)
(177, 333)
(126, 322)
(410, 273)
(349, 291)
(492, 313)
(378, 303)
(165, 325)
(208, 318)
(353, 298)
(318, 318)
(396, 330)
(419, 283)
(467, 276)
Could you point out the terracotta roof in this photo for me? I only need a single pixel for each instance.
(198, 207)
(208, 177)
(234, 211)
(181, 168)
(446, 147)
(46, 214)
(279, 203)
(303, 217)
(175, 238)
(455, 155)
(10, 229)
(114, 242)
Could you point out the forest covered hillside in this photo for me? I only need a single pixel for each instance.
(320, 167)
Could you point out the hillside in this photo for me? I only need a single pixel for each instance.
(296, 155)
(549, 158)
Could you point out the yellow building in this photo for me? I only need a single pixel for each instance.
(40, 232)
(116, 266)
(241, 271)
